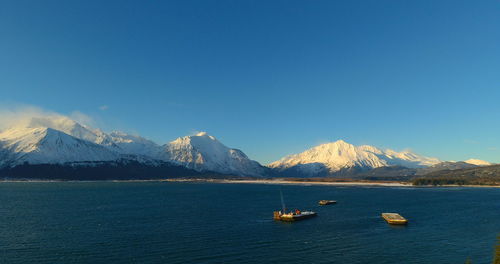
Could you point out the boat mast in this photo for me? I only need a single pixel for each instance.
(282, 202)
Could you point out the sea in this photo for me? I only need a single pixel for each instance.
(196, 222)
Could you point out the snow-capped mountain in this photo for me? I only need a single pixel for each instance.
(115, 141)
(404, 158)
(46, 145)
(58, 139)
(120, 142)
(71, 127)
(203, 152)
(330, 158)
(132, 144)
(478, 162)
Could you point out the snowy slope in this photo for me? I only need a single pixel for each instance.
(404, 158)
(71, 127)
(334, 156)
(131, 144)
(59, 139)
(340, 155)
(46, 145)
(115, 141)
(203, 152)
(478, 162)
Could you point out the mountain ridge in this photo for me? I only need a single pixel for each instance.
(47, 145)
(335, 157)
(204, 152)
(57, 139)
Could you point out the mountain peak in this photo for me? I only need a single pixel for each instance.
(68, 126)
(54, 121)
(203, 152)
(38, 145)
(477, 162)
(339, 144)
(205, 135)
(339, 155)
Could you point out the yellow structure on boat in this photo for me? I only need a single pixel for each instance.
(394, 219)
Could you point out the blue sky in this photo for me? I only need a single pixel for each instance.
(269, 77)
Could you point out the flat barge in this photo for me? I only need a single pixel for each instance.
(394, 219)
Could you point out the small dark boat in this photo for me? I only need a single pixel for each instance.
(327, 202)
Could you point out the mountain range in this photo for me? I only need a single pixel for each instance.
(59, 141)
(341, 157)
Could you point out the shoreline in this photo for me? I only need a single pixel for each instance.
(269, 182)
(333, 183)
(339, 183)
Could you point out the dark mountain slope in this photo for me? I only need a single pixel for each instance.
(487, 175)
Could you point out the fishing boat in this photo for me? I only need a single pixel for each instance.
(394, 219)
(327, 202)
(294, 215)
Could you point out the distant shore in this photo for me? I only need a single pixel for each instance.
(304, 182)
(334, 183)
(328, 183)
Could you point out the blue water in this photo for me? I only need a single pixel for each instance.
(160, 222)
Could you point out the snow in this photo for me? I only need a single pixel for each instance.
(46, 145)
(132, 144)
(339, 155)
(120, 142)
(478, 162)
(203, 152)
(59, 139)
(407, 159)
(71, 127)
(334, 156)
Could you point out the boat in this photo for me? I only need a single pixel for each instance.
(294, 215)
(394, 219)
(327, 202)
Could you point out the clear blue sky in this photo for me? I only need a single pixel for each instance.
(268, 77)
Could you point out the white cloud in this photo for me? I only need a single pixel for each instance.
(21, 115)
(82, 118)
(103, 107)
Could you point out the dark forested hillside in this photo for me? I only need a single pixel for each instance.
(489, 175)
(130, 170)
